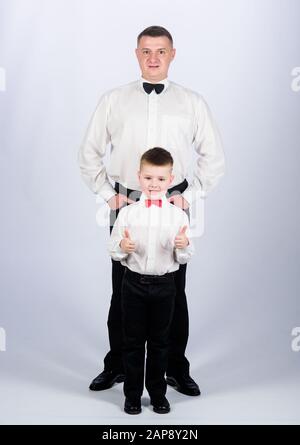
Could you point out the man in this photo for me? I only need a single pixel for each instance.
(149, 112)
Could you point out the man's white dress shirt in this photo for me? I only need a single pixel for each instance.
(153, 229)
(132, 121)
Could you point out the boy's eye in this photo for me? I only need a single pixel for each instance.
(162, 179)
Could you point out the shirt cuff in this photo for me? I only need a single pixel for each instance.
(117, 253)
(191, 194)
(182, 256)
(107, 191)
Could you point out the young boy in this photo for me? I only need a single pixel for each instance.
(150, 238)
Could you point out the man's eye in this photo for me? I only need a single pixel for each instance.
(162, 52)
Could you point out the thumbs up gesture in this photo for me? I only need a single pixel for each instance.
(126, 244)
(181, 240)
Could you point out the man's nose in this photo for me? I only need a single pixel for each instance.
(153, 58)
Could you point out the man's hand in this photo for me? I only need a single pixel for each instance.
(179, 201)
(181, 240)
(117, 201)
(127, 245)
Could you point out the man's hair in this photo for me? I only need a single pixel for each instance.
(157, 156)
(155, 31)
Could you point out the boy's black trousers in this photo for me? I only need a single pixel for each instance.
(178, 364)
(147, 303)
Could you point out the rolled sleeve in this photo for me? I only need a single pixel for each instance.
(93, 149)
(210, 165)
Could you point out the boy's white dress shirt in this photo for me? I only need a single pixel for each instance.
(153, 229)
(132, 121)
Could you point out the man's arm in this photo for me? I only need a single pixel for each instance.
(210, 165)
(92, 152)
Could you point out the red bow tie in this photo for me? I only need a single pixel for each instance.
(157, 202)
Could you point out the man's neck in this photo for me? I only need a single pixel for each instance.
(154, 80)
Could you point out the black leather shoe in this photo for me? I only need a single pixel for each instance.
(132, 407)
(184, 384)
(160, 406)
(105, 380)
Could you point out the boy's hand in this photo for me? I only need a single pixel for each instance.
(127, 245)
(181, 240)
(117, 201)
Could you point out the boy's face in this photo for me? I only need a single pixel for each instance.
(155, 180)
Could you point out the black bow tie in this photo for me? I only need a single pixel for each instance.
(148, 87)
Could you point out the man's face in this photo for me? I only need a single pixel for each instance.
(155, 180)
(155, 55)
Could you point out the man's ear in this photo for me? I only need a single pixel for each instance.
(173, 53)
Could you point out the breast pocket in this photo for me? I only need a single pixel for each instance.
(177, 124)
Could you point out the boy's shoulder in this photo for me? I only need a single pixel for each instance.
(177, 210)
(130, 208)
(126, 209)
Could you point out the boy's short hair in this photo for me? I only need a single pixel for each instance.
(157, 156)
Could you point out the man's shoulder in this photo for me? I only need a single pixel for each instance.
(185, 90)
(121, 89)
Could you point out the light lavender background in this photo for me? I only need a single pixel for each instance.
(56, 59)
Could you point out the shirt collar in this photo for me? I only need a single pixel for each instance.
(143, 197)
(164, 81)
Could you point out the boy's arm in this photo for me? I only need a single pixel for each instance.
(116, 237)
(182, 256)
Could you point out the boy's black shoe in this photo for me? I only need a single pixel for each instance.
(184, 384)
(106, 379)
(161, 406)
(132, 407)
